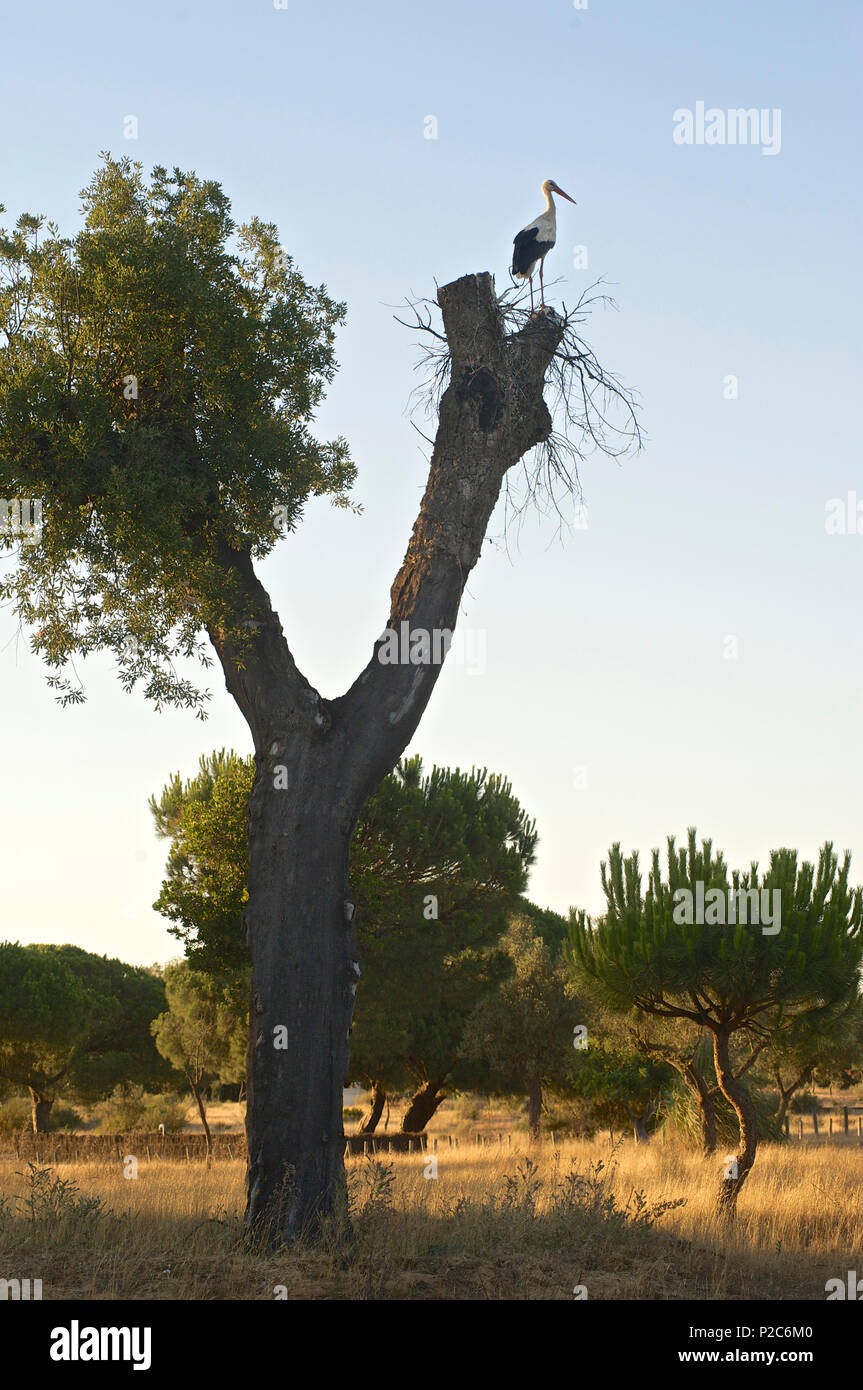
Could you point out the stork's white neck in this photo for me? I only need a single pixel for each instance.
(549, 201)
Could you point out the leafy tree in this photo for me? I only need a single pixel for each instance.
(159, 374)
(198, 1030)
(826, 1050)
(524, 1028)
(45, 1014)
(76, 1022)
(438, 860)
(734, 980)
(621, 1083)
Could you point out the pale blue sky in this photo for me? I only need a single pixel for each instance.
(604, 650)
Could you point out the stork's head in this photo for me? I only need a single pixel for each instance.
(549, 186)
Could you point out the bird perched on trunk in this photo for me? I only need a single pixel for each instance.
(534, 241)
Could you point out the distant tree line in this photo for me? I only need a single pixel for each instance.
(654, 1013)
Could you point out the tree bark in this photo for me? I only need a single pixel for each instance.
(687, 1068)
(704, 1100)
(786, 1092)
(422, 1105)
(41, 1111)
(376, 1109)
(640, 1132)
(197, 1091)
(317, 761)
(534, 1106)
(744, 1108)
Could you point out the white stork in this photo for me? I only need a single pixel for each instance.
(534, 241)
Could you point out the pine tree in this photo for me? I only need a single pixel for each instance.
(799, 973)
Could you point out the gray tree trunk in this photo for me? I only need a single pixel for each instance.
(318, 760)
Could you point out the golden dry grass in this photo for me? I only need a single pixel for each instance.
(487, 1226)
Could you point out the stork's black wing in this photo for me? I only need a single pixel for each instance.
(526, 251)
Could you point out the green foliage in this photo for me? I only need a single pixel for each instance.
(589, 1190)
(131, 1108)
(48, 1200)
(199, 1030)
(804, 976)
(75, 1020)
(679, 1115)
(204, 891)
(619, 1083)
(373, 1189)
(460, 839)
(523, 1027)
(15, 1117)
(159, 372)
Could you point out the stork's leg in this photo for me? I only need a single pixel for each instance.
(530, 281)
(541, 285)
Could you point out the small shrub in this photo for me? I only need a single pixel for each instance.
(375, 1183)
(51, 1200)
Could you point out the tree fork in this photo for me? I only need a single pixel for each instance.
(317, 762)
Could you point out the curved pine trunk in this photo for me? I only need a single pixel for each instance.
(743, 1105)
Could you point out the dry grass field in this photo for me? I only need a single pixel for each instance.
(497, 1222)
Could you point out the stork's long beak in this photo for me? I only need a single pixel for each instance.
(565, 195)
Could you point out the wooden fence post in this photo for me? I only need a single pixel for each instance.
(815, 1118)
(800, 1134)
(845, 1117)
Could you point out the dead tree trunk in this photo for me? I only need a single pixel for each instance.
(318, 760)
